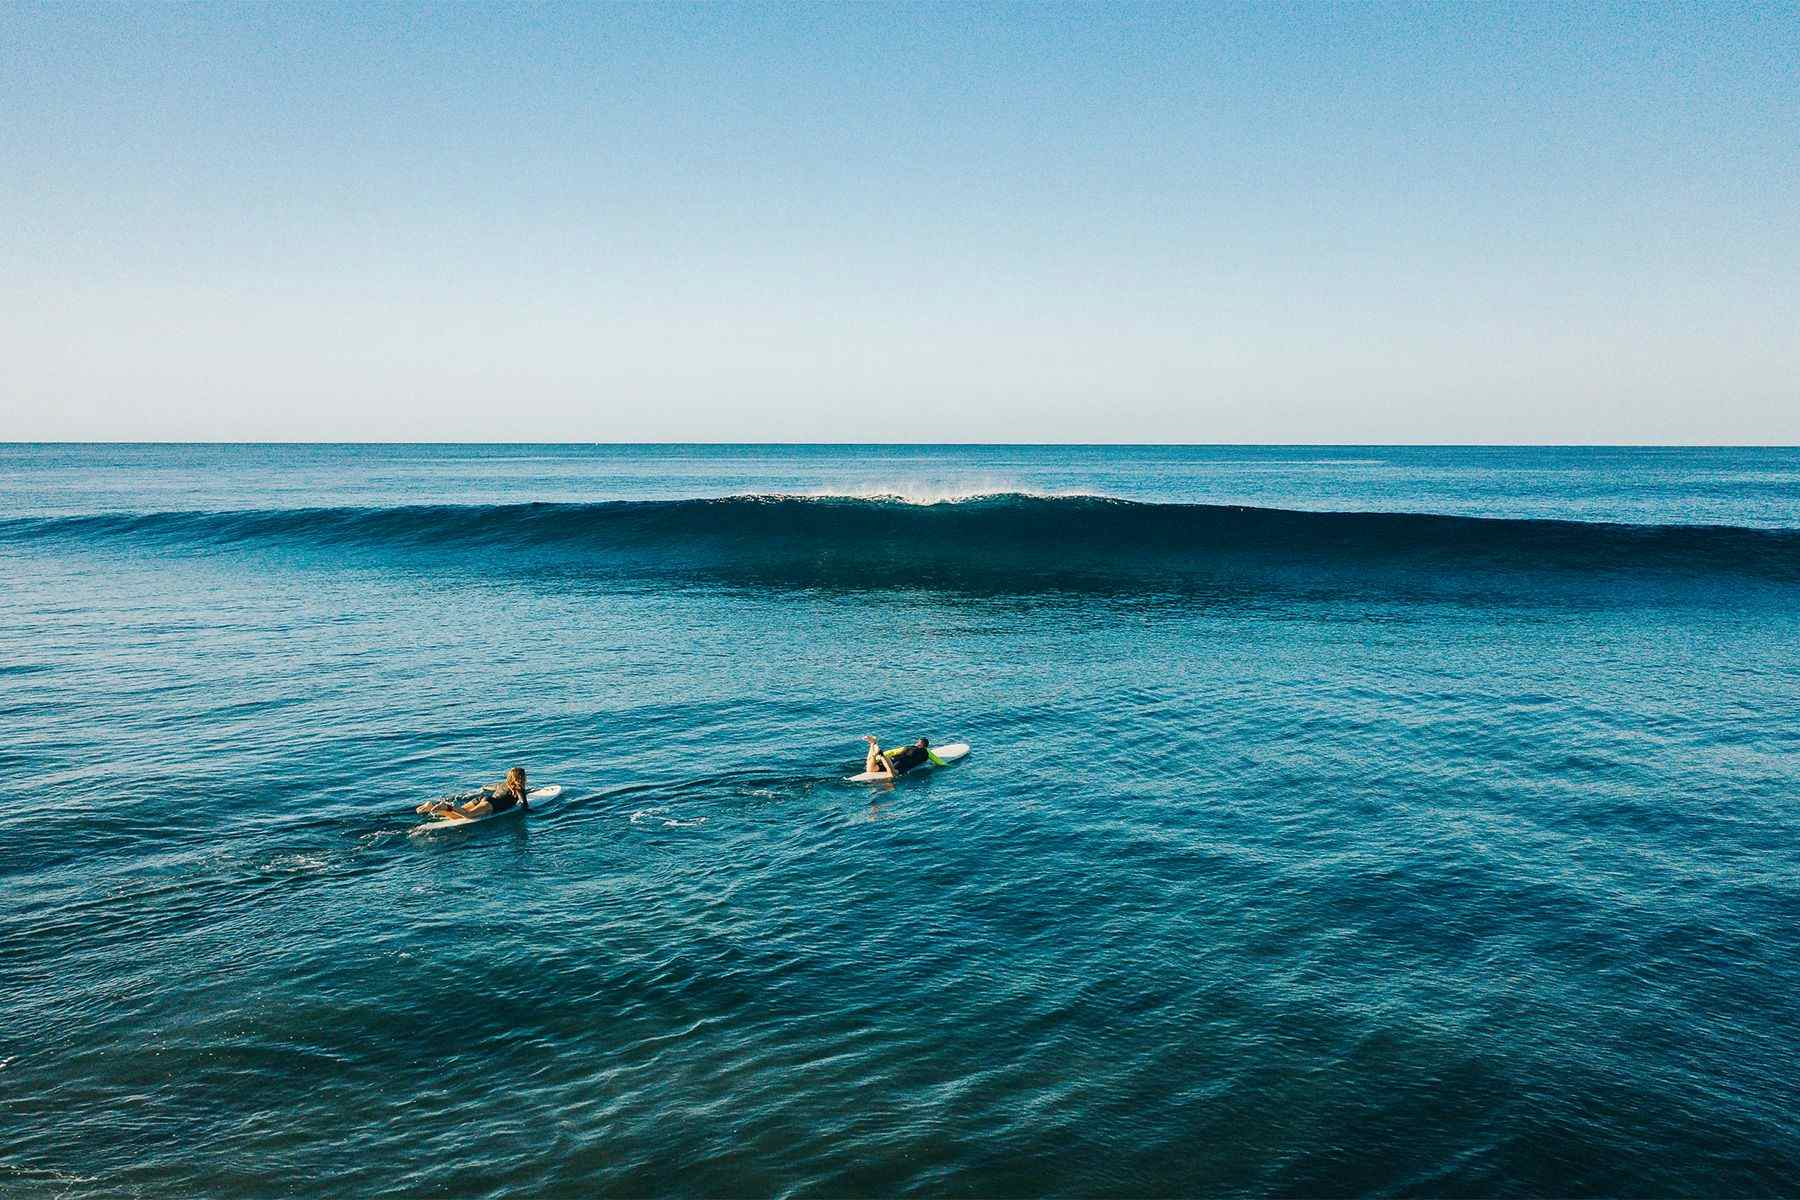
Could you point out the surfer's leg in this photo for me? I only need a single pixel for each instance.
(477, 808)
(873, 760)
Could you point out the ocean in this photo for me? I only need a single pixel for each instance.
(1354, 821)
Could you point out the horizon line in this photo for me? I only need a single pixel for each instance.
(1320, 445)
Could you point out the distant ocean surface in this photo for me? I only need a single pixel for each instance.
(1340, 821)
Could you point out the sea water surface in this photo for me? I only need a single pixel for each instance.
(1340, 821)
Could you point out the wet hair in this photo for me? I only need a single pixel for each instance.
(516, 775)
(924, 741)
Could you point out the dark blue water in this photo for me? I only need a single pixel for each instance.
(1339, 821)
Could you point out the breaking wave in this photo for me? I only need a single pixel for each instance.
(815, 539)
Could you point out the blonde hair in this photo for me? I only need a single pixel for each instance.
(516, 776)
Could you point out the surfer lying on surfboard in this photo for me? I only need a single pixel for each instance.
(890, 764)
(497, 799)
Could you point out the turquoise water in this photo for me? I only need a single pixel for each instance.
(1339, 821)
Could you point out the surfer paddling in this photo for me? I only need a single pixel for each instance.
(508, 793)
(891, 764)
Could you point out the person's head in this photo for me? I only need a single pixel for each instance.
(515, 778)
(923, 743)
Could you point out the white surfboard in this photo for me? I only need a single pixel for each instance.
(536, 794)
(946, 755)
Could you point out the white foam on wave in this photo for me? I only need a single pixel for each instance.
(926, 494)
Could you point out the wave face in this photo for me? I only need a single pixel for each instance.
(1024, 539)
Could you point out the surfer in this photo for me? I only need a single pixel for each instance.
(890, 764)
(508, 793)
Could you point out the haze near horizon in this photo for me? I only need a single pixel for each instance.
(1395, 224)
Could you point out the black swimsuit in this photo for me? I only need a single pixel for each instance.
(906, 758)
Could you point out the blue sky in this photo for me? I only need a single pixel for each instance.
(1543, 223)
